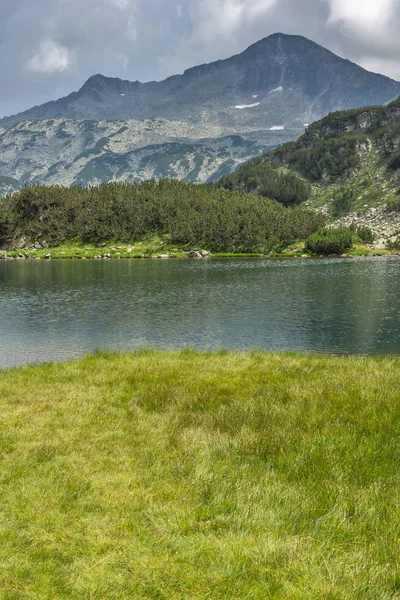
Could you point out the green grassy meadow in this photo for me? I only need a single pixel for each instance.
(177, 475)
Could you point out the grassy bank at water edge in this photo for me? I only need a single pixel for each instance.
(161, 247)
(191, 476)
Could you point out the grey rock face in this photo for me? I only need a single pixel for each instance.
(384, 224)
(8, 185)
(58, 151)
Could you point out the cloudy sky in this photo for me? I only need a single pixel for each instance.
(48, 48)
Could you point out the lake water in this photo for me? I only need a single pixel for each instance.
(65, 309)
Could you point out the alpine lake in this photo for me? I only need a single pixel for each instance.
(60, 310)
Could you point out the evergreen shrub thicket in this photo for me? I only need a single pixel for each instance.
(267, 180)
(331, 158)
(394, 163)
(330, 241)
(394, 244)
(342, 202)
(365, 234)
(394, 204)
(190, 214)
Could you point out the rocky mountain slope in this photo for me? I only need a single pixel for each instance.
(197, 126)
(8, 185)
(89, 152)
(352, 161)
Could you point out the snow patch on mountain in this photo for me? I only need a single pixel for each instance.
(242, 106)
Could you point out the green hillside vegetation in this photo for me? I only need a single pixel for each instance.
(190, 215)
(351, 159)
(190, 476)
(330, 241)
(267, 180)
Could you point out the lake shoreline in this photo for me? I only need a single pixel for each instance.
(114, 355)
(123, 252)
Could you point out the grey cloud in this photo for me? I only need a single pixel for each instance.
(48, 48)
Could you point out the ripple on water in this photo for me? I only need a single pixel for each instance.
(64, 309)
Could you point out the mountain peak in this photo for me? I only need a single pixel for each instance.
(95, 79)
(214, 116)
(279, 80)
(99, 81)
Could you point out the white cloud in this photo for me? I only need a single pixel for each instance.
(255, 8)
(385, 66)
(370, 32)
(216, 19)
(50, 59)
(362, 13)
(124, 61)
(131, 29)
(122, 4)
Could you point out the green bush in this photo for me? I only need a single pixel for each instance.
(331, 158)
(393, 205)
(330, 241)
(394, 244)
(394, 163)
(7, 219)
(342, 202)
(191, 214)
(365, 234)
(267, 180)
(305, 222)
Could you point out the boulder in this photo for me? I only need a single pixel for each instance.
(23, 242)
(194, 254)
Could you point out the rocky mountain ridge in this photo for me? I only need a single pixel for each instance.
(198, 126)
(280, 80)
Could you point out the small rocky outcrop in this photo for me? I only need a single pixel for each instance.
(199, 254)
(385, 224)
